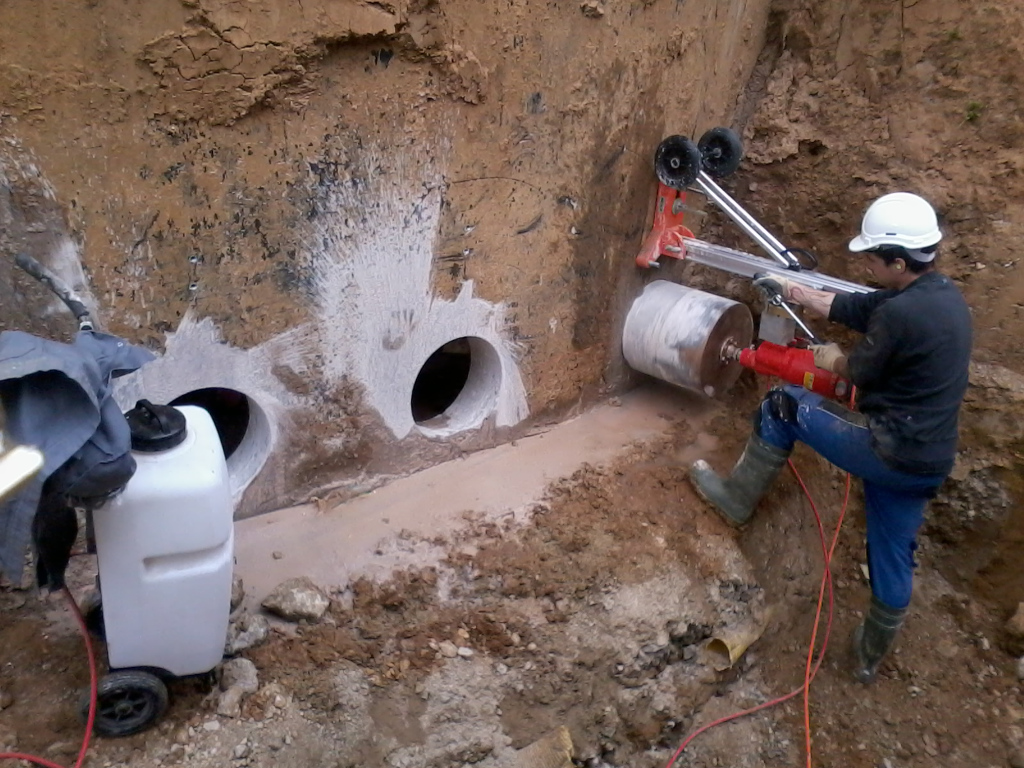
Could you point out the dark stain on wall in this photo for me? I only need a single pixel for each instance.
(615, 209)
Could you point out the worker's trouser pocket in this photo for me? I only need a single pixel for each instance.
(894, 501)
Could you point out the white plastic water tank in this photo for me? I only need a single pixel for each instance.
(165, 549)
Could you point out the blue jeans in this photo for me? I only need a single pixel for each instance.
(894, 501)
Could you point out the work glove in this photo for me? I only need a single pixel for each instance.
(827, 355)
(772, 285)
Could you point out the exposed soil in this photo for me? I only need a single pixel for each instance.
(596, 615)
(850, 103)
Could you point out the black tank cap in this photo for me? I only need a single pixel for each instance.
(155, 427)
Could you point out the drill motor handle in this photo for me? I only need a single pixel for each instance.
(796, 366)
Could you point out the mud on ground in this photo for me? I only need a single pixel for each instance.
(595, 615)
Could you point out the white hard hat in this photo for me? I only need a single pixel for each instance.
(899, 218)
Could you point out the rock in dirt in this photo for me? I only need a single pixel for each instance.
(448, 649)
(592, 9)
(247, 631)
(238, 677)
(8, 739)
(297, 599)
(1017, 758)
(1015, 626)
(229, 703)
(239, 673)
(1020, 670)
(237, 591)
(6, 699)
(61, 748)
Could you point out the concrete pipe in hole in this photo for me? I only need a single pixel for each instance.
(679, 334)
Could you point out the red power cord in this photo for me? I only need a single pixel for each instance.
(826, 576)
(809, 673)
(92, 696)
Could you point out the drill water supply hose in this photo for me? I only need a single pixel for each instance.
(55, 284)
(83, 750)
(813, 662)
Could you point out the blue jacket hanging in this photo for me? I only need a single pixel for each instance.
(57, 397)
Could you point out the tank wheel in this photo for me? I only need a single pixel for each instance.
(721, 151)
(127, 701)
(677, 162)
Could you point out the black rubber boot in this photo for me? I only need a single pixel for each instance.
(735, 496)
(873, 638)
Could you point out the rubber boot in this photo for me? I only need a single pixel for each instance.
(873, 638)
(735, 496)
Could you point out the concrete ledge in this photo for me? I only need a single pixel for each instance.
(364, 536)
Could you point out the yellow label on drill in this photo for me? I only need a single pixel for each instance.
(809, 380)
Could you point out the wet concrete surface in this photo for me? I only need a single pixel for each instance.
(373, 534)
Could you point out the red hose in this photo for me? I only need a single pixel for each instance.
(808, 674)
(92, 696)
(826, 580)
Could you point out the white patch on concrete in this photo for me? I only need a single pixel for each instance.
(379, 320)
(196, 357)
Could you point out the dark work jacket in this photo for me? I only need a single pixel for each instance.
(910, 369)
(58, 398)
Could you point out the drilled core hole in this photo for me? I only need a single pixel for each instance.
(229, 410)
(441, 380)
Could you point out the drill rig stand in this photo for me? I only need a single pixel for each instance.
(700, 341)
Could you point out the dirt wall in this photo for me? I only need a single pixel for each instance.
(301, 201)
(850, 101)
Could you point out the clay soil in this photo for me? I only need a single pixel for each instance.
(532, 603)
(928, 101)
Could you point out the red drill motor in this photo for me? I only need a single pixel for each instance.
(792, 364)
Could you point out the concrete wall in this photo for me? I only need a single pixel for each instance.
(302, 200)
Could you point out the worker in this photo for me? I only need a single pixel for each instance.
(910, 369)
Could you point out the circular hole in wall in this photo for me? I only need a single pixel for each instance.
(243, 428)
(457, 386)
(229, 410)
(441, 380)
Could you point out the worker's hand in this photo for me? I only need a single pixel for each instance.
(775, 285)
(827, 355)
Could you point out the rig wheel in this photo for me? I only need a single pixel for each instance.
(720, 151)
(677, 162)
